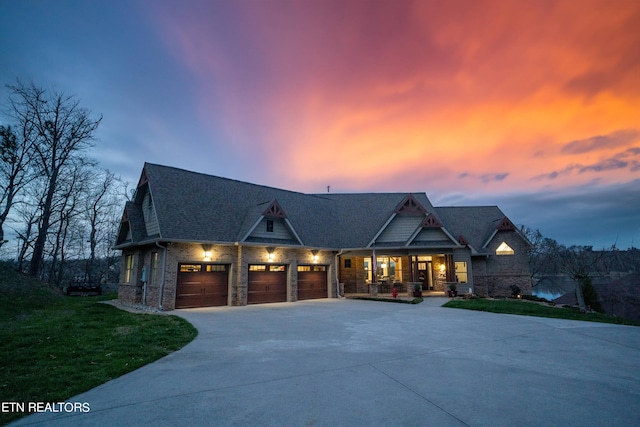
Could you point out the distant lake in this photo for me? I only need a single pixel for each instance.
(546, 295)
(553, 287)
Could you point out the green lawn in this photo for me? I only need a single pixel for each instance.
(53, 347)
(528, 308)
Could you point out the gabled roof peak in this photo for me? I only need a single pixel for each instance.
(431, 221)
(410, 206)
(274, 211)
(505, 224)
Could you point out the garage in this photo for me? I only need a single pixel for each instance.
(267, 283)
(312, 282)
(202, 285)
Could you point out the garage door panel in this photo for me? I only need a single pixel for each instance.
(266, 286)
(202, 288)
(312, 285)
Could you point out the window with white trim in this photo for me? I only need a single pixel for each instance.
(461, 271)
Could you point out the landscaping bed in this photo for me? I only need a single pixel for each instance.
(534, 308)
(416, 300)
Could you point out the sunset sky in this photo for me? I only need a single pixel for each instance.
(533, 106)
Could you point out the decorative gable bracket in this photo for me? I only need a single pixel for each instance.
(274, 211)
(410, 206)
(431, 222)
(463, 240)
(506, 225)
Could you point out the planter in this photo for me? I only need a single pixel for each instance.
(417, 294)
(453, 293)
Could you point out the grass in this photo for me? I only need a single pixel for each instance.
(53, 347)
(527, 308)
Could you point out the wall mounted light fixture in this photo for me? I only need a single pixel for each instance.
(314, 257)
(270, 254)
(207, 252)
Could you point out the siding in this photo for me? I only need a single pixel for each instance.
(431, 235)
(280, 230)
(150, 219)
(400, 229)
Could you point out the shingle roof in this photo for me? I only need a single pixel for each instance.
(192, 206)
(475, 223)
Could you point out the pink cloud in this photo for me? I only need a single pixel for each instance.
(371, 92)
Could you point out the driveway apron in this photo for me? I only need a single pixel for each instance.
(350, 363)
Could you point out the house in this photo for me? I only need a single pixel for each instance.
(193, 240)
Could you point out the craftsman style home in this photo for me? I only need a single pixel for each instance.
(195, 240)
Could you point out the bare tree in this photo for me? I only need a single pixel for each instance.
(15, 156)
(62, 131)
(581, 263)
(102, 207)
(68, 208)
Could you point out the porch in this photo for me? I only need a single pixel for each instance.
(402, 270)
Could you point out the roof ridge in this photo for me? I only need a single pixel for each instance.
(224, 178)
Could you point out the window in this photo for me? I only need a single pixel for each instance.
(312, 268)
(190, 268)
(154, 268)
(257, 268)
(128, 268)
(269, 226)
(387, 269)
(215, 267)
(277, 268)
(461, 271)
(504, 249)
(347, 263)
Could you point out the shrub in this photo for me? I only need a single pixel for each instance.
(515, 290)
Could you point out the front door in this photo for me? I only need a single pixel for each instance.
(425, 275)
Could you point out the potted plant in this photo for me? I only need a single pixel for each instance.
(417, 290)
(453, 291)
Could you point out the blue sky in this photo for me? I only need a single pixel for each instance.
(532, 107)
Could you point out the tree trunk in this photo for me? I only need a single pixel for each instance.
(37, 259)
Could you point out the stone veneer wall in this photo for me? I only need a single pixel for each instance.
(493, 276)
(220, 254)
(131, 292)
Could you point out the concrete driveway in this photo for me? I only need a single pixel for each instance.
(363, 363)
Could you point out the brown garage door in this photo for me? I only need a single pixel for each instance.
(312, 282)
(267, 283)
(202, 285)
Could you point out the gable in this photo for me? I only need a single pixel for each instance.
(273, 230)
(149, 215)
(410, 206)
(430, 236)
(399, 230)
(506, 226)
(124, 232)
(274, 211)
